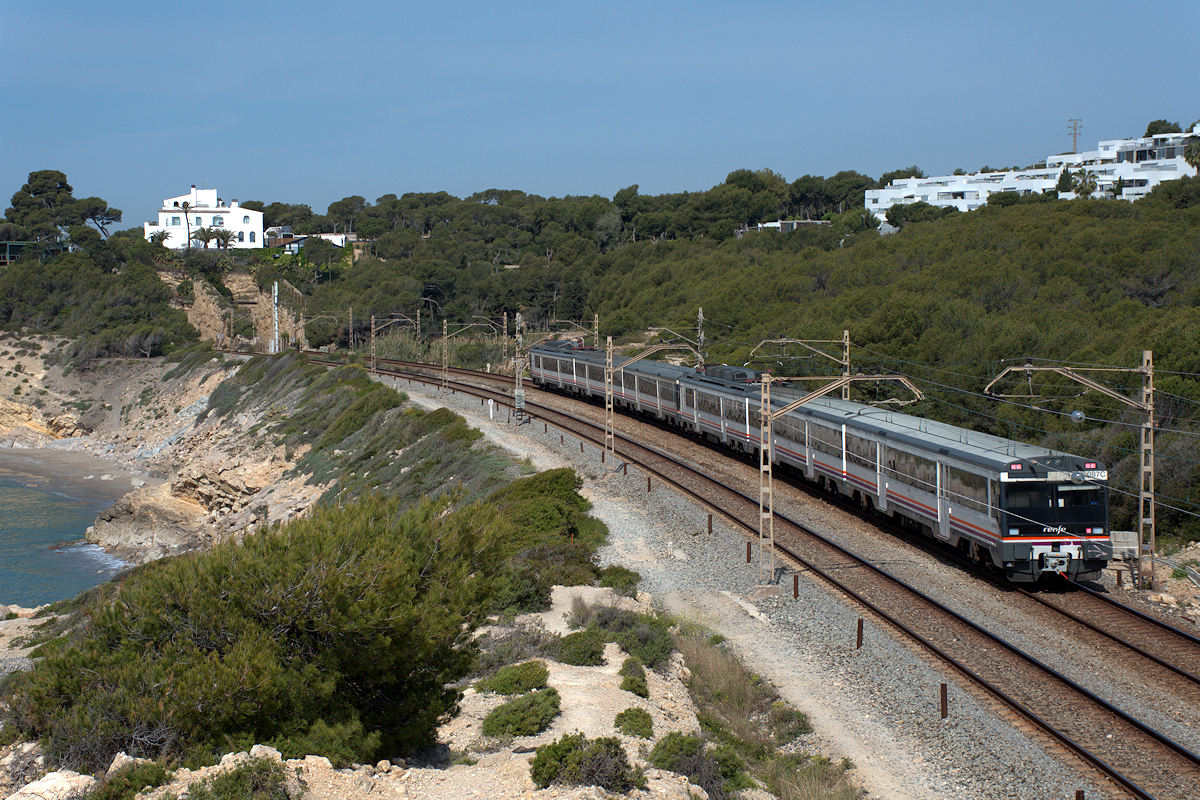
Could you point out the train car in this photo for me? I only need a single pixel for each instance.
(1024, 510)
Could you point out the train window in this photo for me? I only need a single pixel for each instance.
(735, 411)
(670, 393)
(909, 468)
(966, 488)
(646, 386)
(1075, 496)
(860, 451)
(1027, 498)
(595, 373)
(708, 404)
(790, 429)
(826, 440)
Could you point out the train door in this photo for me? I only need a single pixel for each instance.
(721, 415)
(942, 531)
(808, 456)
(880, 487)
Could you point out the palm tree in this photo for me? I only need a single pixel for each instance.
(1085, 183)
(160, 238)
(204, 235)
(1192, 154)
(186, 208)
(223, 237)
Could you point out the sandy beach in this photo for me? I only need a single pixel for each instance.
(71, 472)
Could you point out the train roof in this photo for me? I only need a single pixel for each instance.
(994, 452)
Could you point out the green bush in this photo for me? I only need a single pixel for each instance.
(516, 679)
(787, 723)
(574, 760)
(257, 779)
(126, 783)
(623, 581)
(524, 716)
(262, 641)
(634, 677)
(645, 637)
(718, 771)
(581, 649)
(635, 722)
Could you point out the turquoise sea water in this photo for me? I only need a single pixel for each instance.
(41, 557)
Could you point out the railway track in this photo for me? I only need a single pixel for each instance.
(1165, 646)
(1130, 753)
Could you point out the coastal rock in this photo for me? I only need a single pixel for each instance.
(56, 786)
(152, 521)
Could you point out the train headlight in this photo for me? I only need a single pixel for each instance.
(1077, 478)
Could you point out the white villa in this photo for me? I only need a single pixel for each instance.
(201, 208)
(1141, 164)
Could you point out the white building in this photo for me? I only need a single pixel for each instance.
(1141, 164)
(201, 208)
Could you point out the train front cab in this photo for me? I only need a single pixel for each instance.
(1054, 523)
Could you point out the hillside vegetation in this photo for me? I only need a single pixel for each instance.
(263, 639)
(949, 300)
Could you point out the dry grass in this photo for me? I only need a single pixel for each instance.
(739, 709)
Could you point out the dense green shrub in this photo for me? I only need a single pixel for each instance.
(516, 679)
(718, 771)
(575, 760)
(126, 783)
(635, 722)
(633, 676)
(263, 640)
(623, 581)
(646, 637)
(523, 716)
(257, 779)
(581, 649)
(555, 544)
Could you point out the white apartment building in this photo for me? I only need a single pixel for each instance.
(1140, 163)
(201, 208)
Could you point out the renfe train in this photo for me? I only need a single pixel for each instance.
(1027, 511)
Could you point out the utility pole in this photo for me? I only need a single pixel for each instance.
(700, 338)
(519, 390)
(445, 353)
(372, 342)
(1075, 125)
(1146, 459)
(596, 331)
(275, 348)
(609, 370)
(610, 439)
(350, 331)
(418, 321)
(766, 450)
(504, 340)
(1147, 533)
(846, 363)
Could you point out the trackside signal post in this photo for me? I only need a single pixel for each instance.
(1145, 403)
(766, 450)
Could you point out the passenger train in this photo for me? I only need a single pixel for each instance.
(1026, 511)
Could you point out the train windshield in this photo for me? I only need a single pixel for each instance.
(1032, 505)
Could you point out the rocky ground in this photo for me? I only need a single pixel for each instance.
(194, 482)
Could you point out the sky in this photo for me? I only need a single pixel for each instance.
(309, 102)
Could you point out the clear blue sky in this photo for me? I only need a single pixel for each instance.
(310, 102)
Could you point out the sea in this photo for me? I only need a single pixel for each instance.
(42, 557)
